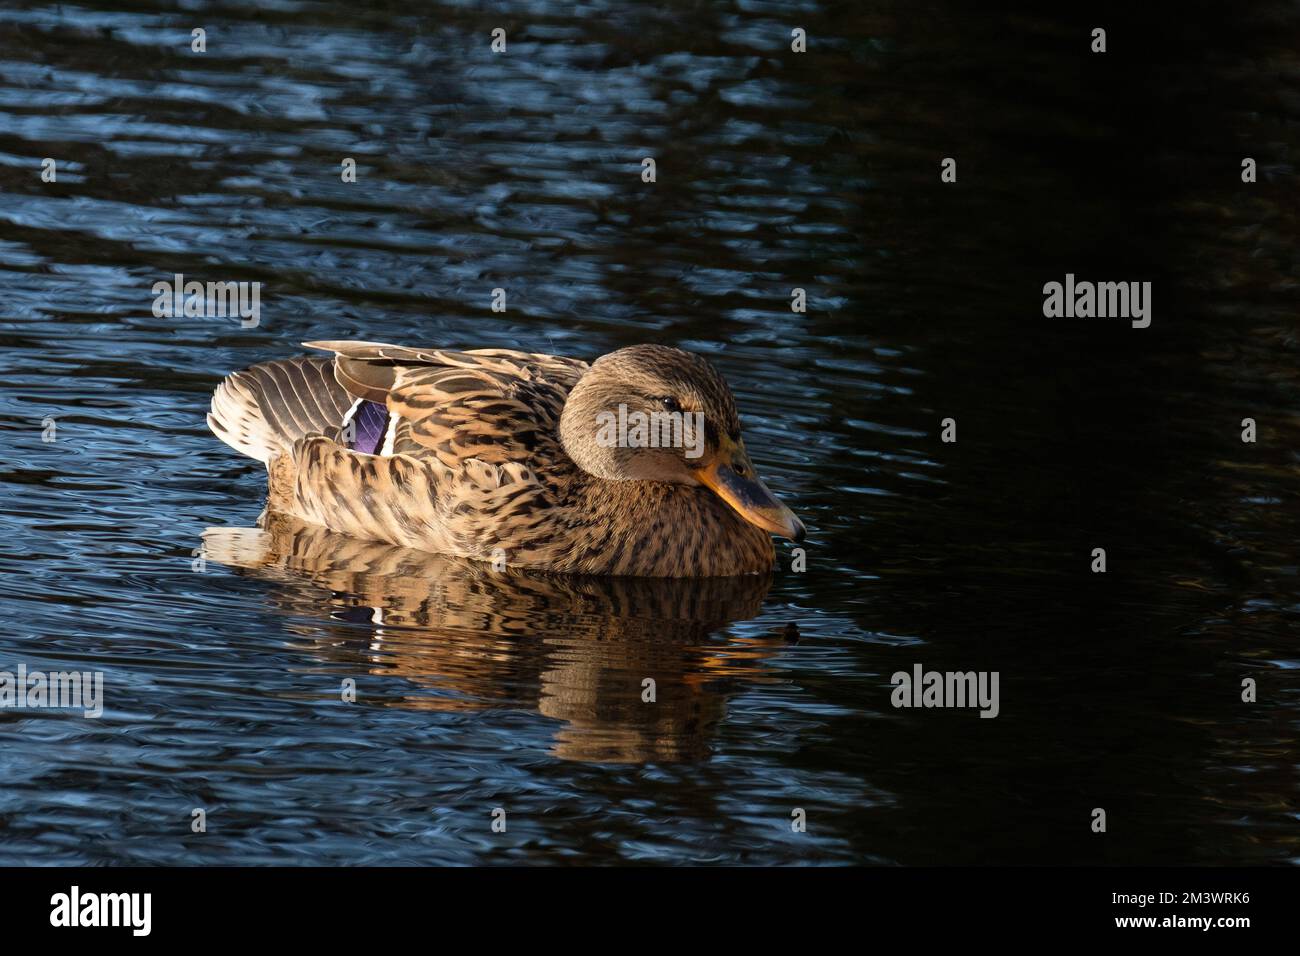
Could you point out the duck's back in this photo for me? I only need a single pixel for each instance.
(431, 449)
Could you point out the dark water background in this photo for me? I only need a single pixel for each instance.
(775, 171)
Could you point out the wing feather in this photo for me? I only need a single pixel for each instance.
(496, 406)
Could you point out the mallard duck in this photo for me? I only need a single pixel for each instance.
(517, 458)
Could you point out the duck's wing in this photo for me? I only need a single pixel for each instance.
(471, 464)
(263, 410)
(496, 406)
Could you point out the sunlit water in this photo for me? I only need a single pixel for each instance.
(775, 171)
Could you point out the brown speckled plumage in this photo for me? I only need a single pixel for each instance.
(493, 457)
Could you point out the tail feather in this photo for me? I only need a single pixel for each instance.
(263, 410)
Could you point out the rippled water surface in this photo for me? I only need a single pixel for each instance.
(775, 171)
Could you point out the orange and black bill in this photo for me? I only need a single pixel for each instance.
(731, 477)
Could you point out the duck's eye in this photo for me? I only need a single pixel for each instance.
(670, 404)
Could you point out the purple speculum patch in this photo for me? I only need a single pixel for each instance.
(371, 421)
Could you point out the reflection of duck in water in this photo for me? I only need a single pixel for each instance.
(633, 465)
(577, 648)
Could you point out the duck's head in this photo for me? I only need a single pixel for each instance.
(654, 413)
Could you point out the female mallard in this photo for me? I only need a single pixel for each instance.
(632, 465)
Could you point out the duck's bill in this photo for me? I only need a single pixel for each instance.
(749, 496)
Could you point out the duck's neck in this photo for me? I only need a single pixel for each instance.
(656, 529)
